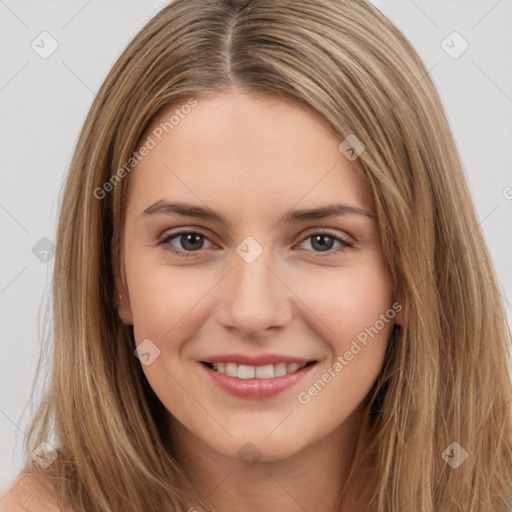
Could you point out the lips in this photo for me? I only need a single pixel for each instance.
(256, 377)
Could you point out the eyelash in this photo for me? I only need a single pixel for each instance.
(165, 241)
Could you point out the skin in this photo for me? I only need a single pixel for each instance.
(253, 159)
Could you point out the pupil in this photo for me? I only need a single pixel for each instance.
(190, 239)
(322, 246)
(193, 242)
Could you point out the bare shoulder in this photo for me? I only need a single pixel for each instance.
(28, 494)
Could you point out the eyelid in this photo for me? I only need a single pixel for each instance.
(169, 235)
(328, 231)
(345, 240)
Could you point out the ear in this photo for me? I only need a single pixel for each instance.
(122, 301)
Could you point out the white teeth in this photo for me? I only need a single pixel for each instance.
(265, 372)
(231, 370)
(246, 372)
(269, 371)
(279, 369)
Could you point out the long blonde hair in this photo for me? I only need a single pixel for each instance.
(446, 378)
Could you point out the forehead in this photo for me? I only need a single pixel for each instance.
(243, 152)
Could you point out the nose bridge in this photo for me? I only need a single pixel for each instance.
(254, 299)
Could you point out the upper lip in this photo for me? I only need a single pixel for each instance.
(256, 360)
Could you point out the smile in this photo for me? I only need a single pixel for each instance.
(268, 371)
(255, 381)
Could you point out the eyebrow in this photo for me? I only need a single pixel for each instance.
(293, 216)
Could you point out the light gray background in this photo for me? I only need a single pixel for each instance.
(44, 103)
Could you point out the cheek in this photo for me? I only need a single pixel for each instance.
(348, 302)
(160, 297)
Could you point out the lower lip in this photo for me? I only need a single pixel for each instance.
(256, 388)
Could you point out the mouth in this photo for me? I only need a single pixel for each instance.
(256, 382)
(268, 371)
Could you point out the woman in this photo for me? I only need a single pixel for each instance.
(271, 290)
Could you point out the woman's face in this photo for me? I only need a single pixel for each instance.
(233, 262)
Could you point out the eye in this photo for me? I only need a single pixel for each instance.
(186, 243)
(323, 241)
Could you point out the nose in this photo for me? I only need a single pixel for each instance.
(255, 301)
